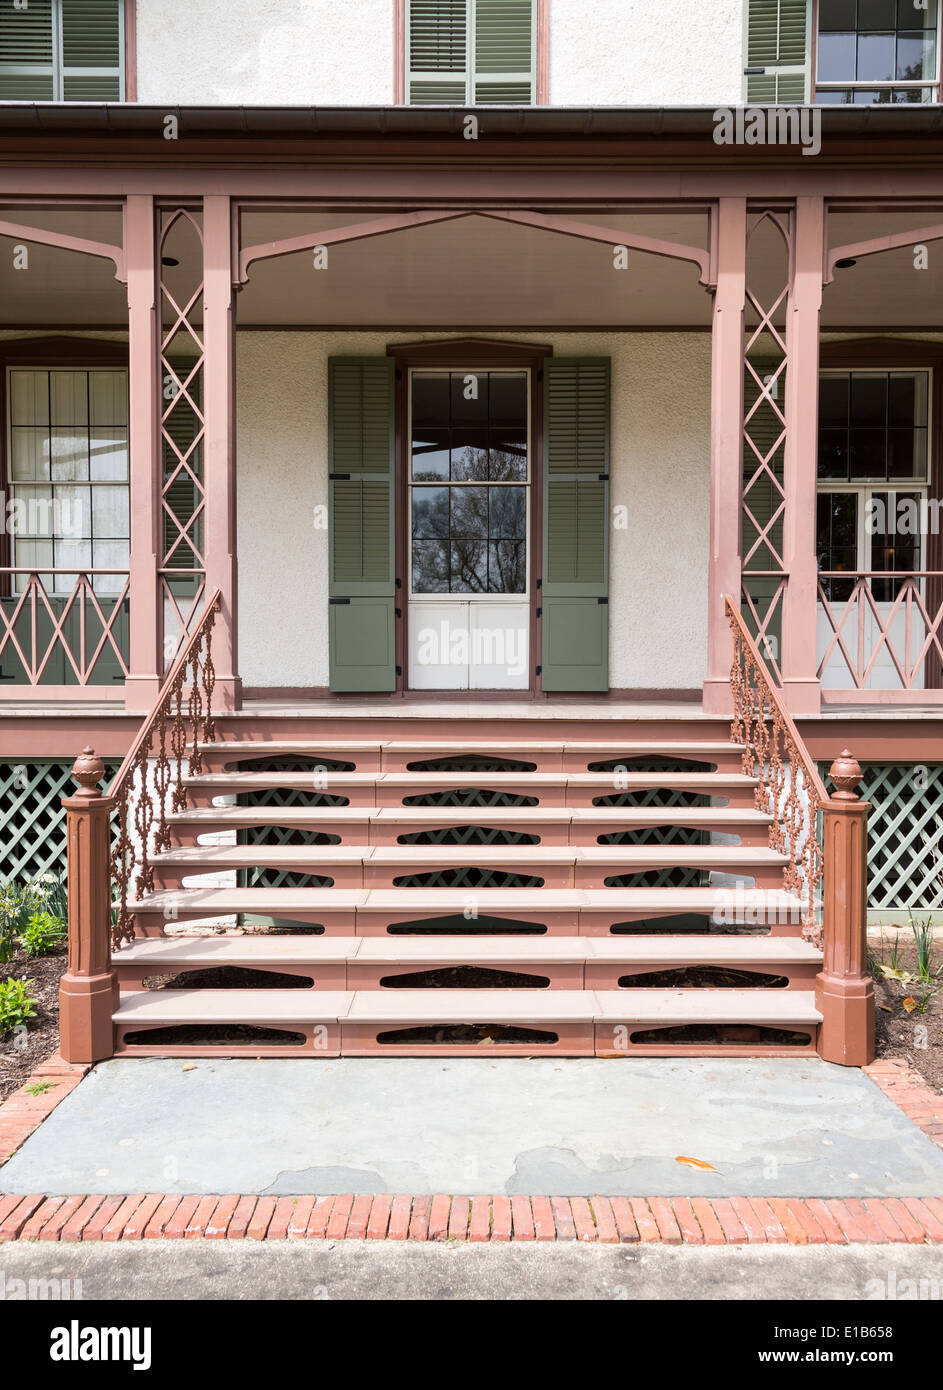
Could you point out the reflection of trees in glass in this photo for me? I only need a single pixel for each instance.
(469, 539)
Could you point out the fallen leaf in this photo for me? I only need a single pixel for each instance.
(910, 1004)
(188, 1066)
(890, 973)
(696, 1163)
(887, 1008)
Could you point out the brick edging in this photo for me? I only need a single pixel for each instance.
(904, 1085)
(21, 1113)
(604, 1220)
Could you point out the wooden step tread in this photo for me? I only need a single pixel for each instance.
(417, 816)
(484, 950)
(518, 1006)
(496, 780)
(278, 901)
(299, 857)
(447, 747)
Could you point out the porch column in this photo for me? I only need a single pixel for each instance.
(145, 649)
(726, 447)
(220, 441)
(801, 685)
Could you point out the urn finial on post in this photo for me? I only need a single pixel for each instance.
(89, 771)
(845, 773)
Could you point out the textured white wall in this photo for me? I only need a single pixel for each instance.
(340, 52)
(265, 52)
(646, 52)
(660, 474)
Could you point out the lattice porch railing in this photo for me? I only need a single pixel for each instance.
(63, 628)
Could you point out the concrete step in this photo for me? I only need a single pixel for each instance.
(557, 866)
(560, 911)
(331, 1022)
(352, 962)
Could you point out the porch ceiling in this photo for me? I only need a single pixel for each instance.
(471, 273)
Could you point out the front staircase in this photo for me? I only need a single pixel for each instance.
(468, 886)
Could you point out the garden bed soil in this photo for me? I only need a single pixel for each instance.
(21, 1053)
(916, 1036)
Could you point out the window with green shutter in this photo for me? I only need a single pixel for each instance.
(778, 52)
(471, 52)
(62, 50)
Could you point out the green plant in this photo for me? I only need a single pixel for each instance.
(10, 919)
(42, 934)
(39, 1088)
(923, 939)
(47, 893)
(16, 1003)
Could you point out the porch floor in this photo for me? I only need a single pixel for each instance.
(772, 1127)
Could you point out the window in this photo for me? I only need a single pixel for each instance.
(873, 471)
(471, 52)
(469, 482)
(876, 51)
(68, 470)
(62, 50)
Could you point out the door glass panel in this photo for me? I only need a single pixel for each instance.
(469, 482)
(837, 541)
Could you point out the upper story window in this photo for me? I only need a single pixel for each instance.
(471, 52)
(876, 51)
(859, 52)
(61, 50)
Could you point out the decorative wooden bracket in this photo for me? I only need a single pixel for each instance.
(44, 237)
(856, 249)
(397, 222)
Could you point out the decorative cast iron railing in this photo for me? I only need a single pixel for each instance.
(63, 626)
(884, 627)
(181, 720)
(789, 787)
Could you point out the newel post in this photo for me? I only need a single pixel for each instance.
(88, 991)
(843, 991)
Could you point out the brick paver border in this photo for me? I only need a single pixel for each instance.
(445, 1217)
(606, 1221)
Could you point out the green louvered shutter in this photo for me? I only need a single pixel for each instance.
(62, 50)
(437, 52)
(779, 42)
(362, 554)
(182, 495)
(471, 52)
(505, 52)
(575, 590)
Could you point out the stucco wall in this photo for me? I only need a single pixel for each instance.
(660, 475)
(645, 52)
(265, 52)
(340, 52)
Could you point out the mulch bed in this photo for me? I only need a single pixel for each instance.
(42, 1031)
(916, 1036)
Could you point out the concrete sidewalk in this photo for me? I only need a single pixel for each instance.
(560, 1127)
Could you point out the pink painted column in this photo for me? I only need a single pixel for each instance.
(726, 447)
(219, 370)
(146, 656)
(801, 687)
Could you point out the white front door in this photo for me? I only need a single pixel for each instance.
(468, 528)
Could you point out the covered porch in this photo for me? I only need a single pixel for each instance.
(638, 359)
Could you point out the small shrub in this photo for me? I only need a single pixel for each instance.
(39, 1088)
(16, 1003)
(42, 934)
(923, 940)
(47, 893)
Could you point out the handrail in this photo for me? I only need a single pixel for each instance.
(140, 805)
(147, 728)
(767, 731)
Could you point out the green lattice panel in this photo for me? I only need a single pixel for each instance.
(471, 762)
(281, 797)
(469, 876)
(905, 835)
(32, 821)
(468, 835)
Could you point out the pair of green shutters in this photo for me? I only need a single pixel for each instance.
(364, 587)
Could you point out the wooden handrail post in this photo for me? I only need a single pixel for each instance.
(844, 993)
(88, 991)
